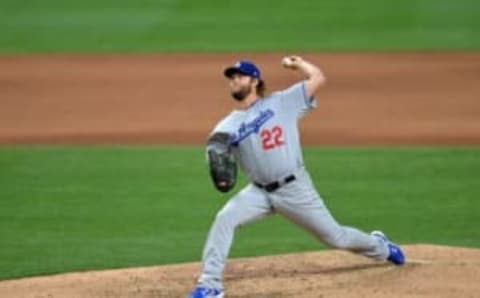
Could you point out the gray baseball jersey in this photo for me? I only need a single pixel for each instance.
(265, 136)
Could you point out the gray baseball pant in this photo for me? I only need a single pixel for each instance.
(300, 203)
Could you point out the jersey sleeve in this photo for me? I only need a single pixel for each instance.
(222, 126)
(226, 125)
(295, 99)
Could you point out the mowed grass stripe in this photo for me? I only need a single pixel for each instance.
(188, 25)
(71, 209)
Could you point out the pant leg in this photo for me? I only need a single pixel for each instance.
(300, 202)
(247, 206)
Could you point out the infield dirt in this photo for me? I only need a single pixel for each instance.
(432, 271)
(177, 98)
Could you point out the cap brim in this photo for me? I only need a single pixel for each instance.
(230, 71)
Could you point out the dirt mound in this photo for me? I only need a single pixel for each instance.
(431, 271)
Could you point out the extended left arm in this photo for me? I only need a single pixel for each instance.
(314, 75)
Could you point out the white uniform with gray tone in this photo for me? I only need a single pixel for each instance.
(267, 146)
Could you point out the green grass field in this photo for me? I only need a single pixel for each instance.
(186, 25)
(70, 209)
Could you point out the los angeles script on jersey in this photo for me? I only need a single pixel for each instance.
(253, 126)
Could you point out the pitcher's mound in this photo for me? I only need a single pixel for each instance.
(431, 271)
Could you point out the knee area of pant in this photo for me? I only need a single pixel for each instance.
(225, 217)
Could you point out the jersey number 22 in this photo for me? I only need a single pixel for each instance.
(272, 138)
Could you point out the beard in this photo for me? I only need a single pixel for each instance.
(242, 93)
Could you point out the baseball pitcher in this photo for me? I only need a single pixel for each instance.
(261, 136)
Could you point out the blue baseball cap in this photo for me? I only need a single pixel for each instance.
(243, 67)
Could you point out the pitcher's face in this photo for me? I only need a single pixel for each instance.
(241, 86)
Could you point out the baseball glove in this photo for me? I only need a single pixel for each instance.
(223, 167)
